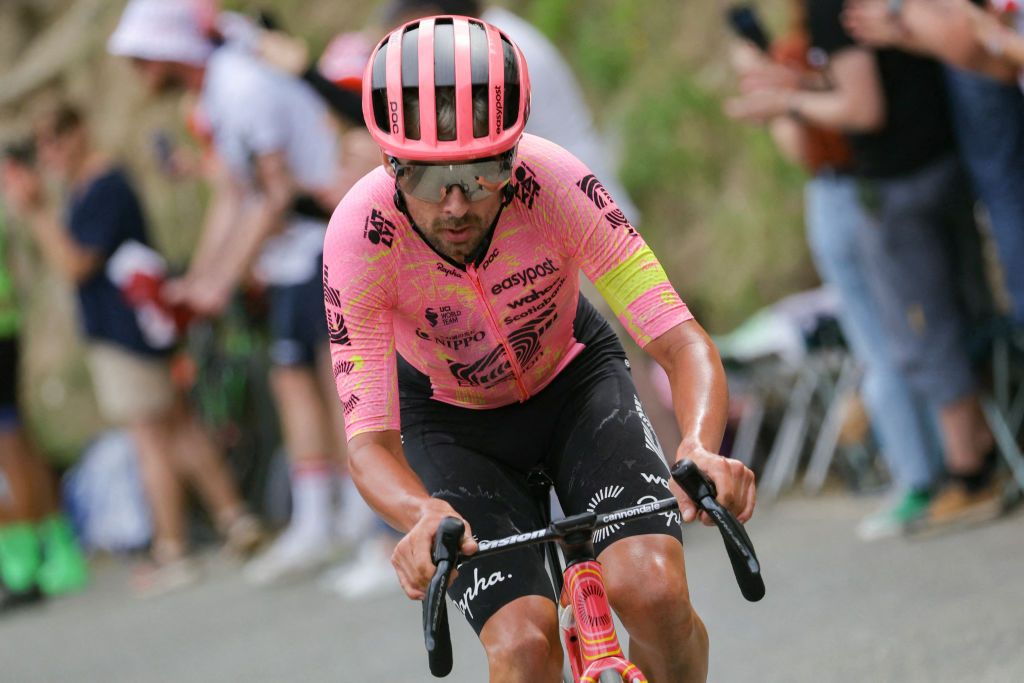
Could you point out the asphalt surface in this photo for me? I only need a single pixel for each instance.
(944, 608)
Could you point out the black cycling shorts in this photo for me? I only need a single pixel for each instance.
(589, 432)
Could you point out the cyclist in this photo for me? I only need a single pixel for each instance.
(465, 356)
(276, 160)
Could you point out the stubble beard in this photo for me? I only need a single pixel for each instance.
(459, 252)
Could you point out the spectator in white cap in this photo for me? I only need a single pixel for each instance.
(274, 187)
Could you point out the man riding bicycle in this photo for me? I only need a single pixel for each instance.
(466, 358)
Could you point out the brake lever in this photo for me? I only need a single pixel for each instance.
(436, 635)
(702, 491)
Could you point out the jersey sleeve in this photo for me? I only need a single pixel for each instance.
(358, 302)
(612, 253)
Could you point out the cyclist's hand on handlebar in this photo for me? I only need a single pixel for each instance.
(412, 557)
(733, 480)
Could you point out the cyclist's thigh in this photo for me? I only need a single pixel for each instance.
(607, 455)
(495, 502)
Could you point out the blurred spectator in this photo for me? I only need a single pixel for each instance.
(131, 377)
(274, 184)
(987, 110)
(901, 419)
(38, 550)
(892, 106)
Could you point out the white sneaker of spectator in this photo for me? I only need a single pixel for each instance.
(369, 575)
(291, 556)
(160, 579)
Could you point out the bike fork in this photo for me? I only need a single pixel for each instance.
(585, 618)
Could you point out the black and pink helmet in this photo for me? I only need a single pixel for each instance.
(415, 63)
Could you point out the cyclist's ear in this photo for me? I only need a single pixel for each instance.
(386, 164)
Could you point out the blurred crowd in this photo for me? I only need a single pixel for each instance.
(907, 116)
(279, 138)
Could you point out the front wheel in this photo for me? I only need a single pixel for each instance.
(609, 676)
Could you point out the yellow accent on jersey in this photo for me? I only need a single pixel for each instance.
(631, 279)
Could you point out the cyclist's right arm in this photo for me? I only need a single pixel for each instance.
(360, 289)
(390, 487)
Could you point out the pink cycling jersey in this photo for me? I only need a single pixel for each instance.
(496, 331)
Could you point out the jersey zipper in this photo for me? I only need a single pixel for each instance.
(517, 371)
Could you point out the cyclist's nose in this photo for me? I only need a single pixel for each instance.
(455, 202)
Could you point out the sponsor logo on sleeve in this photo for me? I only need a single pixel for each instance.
(378, 229)
(347, 367)
(431, 315)
(350, 403)
(526, 187)
(526, 277)
(597, 193)
(337, 330)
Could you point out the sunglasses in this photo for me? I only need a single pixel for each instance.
(477, 180)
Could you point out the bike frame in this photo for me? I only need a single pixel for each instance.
(591, 643)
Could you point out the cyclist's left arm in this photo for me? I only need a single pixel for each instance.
(628, 275)
(700, 403)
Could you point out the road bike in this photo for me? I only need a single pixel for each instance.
(585, 618)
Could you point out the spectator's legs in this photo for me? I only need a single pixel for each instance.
(20, 555)
(17, 463)
(37, 545)
(202, 464)
(966, 433)
(309, 439)
(989, 117)
(903, 422)
(307, 543)
(153, 441)
(136, 390)
(908, 238)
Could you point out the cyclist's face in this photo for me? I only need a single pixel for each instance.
(454, 226)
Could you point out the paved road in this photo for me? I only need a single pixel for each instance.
(947, 608)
